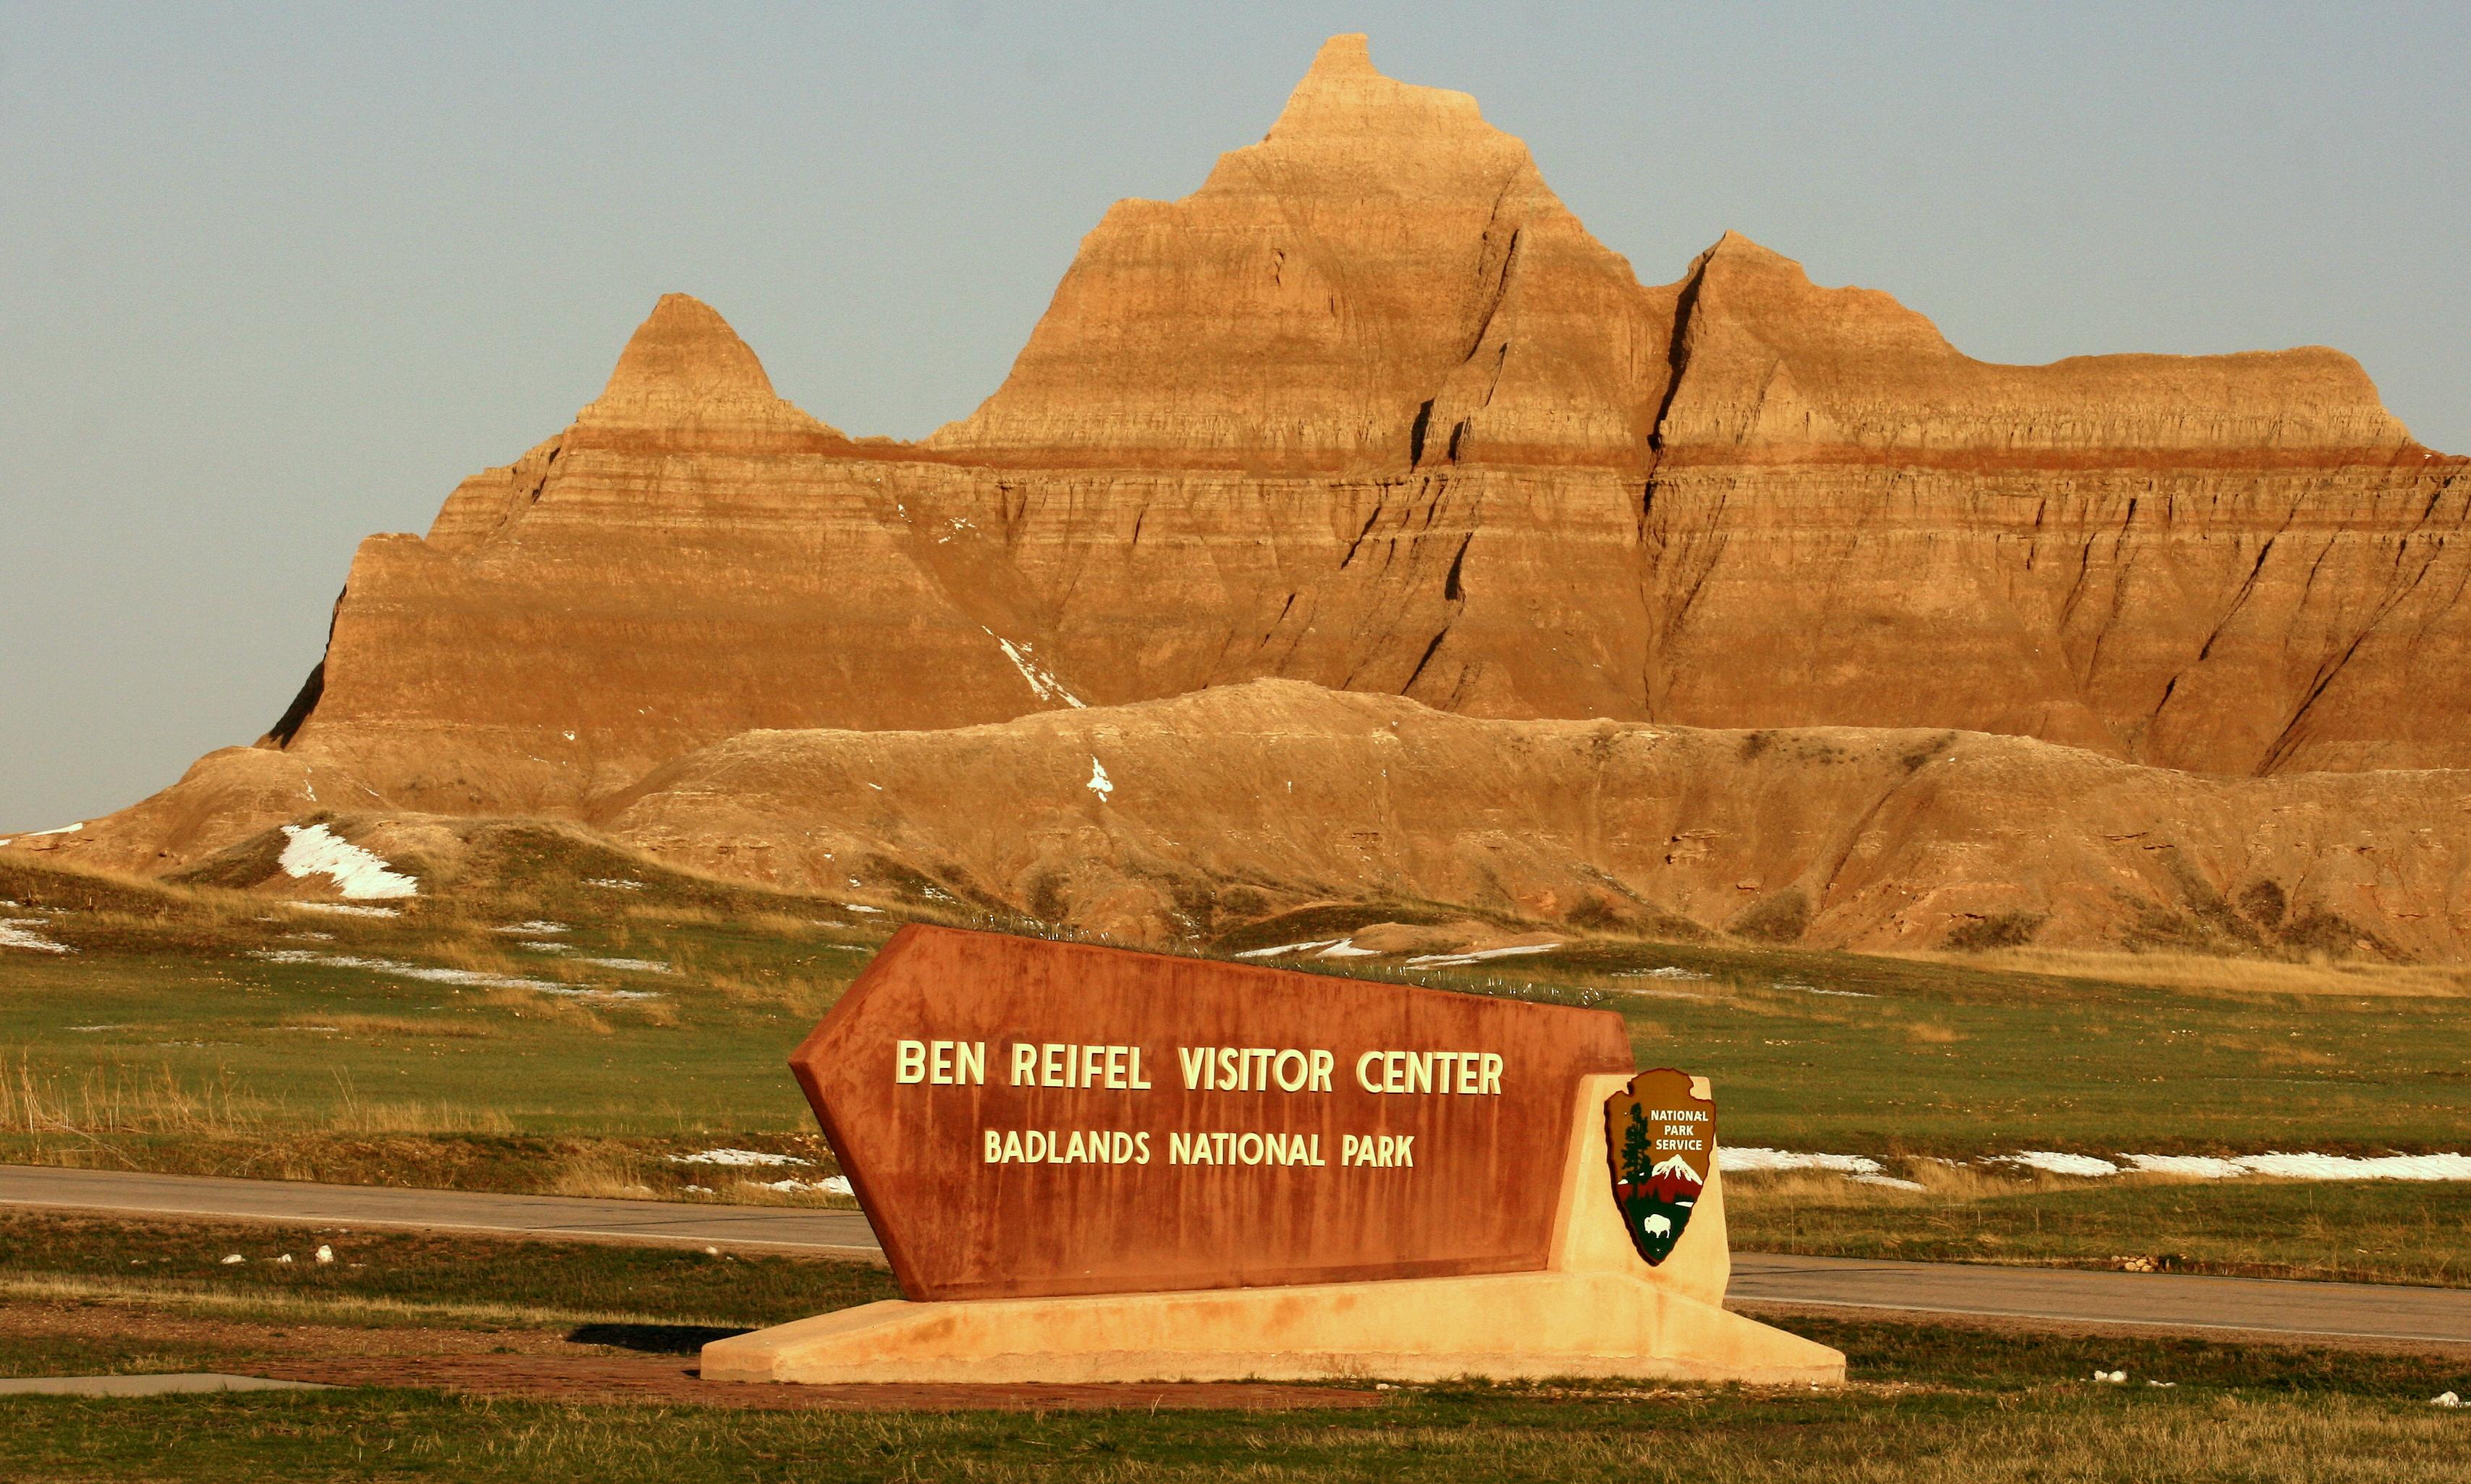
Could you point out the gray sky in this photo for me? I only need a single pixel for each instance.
(275, 277)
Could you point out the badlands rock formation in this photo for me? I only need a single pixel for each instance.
(1178, 818)
(1371, 410)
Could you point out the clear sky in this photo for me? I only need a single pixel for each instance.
(275, 277)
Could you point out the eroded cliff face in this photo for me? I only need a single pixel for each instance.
(1383, 281)
(1370, 410)
(1174, 820)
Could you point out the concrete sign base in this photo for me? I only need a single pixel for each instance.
(1597, 1310)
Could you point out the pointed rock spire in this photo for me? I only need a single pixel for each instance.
(1321, 288)
(685, 376)
(685, 345)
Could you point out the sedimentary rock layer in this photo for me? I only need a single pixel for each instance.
(1174, 820)
(1370, 410)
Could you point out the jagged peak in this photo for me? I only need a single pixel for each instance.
(1733, 251)
(684, 366)
(685, 345)
(1343, 93)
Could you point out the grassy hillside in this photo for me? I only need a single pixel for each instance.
(562, 1015)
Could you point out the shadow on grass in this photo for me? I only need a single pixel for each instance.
(654, 1339)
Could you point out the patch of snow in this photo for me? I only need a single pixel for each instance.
(2339, 1166)
(739, 1158)
(1850, 994)
(64, 829)
(535, 928)
(2052, 1162)
(345, 909)
(1478, 955)
(95, 1027)
(1099, 784)
(1345, 948)
(632, 965)
(431, 974)
(855, 907)
(2199, 1166)
(357, 873)
(830, 1185)
(613, 884)
(571, 992)
(1733, 1161)
(1669, 971)
(1043, 683)
(14, 934)
(1890, 1181)
(1287, 948)
(548, 947)
(2308, 1167)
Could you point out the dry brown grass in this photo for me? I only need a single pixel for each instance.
(414, 1118)
(393, 1027)
(2221, 975)
(2273, 1055)
(102, 1102)
(560, 1009)
(1931, 1033)
(606, 1173)
(125, 1100)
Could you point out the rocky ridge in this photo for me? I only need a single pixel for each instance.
(1371, 410)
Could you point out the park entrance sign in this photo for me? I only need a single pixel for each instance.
(1023, 1117)
(1090, 1164)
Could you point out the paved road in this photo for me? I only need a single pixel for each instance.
(2165, 1300)
(839, 1233)
(2174, 1301)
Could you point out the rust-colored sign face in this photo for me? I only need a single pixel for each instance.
(1662, 1138)
(1022, 1117)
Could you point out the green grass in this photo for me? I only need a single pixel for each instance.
(1939, 1405)
(1927, 1402)
(2349, 1231)
(165, 1043)
(397, 1277)
(1902, 1057)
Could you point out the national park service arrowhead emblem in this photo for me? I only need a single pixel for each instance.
(1662, 1138)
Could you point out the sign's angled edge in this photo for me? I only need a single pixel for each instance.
(809, 1050)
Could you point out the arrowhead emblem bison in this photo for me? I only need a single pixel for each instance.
(1660, 1137)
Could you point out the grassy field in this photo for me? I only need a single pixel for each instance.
(2350, 1231)
(1926, 1401)
(206, 1029)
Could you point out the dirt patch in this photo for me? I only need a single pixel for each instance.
(133, 1324)
(674, 1382)
(552, 1365)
